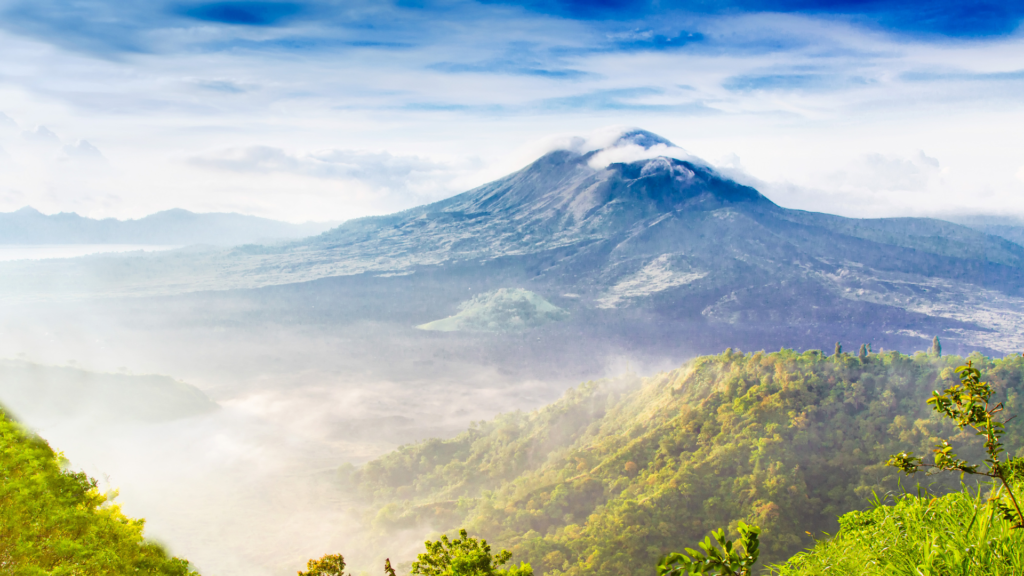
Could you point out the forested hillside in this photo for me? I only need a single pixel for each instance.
(53, 521)
(619, 472)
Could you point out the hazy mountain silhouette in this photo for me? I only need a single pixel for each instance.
(1009, 227)
(170, 227)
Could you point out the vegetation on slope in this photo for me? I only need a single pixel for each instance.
(618, 473)
(56, 522)
(959, 533)
(955, 534)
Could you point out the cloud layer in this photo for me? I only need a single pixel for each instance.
(323, 109)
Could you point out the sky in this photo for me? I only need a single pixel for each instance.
(327, 110)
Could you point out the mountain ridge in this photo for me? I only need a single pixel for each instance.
(28, 226)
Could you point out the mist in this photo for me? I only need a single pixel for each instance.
(252, 486)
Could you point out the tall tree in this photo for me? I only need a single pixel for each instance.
(936, 347)
(839, 349)
(465, 556)
(327, 565)
(863, 354)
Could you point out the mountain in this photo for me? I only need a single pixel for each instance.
(170, 227)
(500, 310)
(52, 393)
(638, 208)
(1009, 227)
(619, 472)
(650, 252)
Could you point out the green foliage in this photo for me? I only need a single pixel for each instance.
(55, 522)
(465, 556)
(328, 565)
(728, 559)
(968, 404)
(787, 441)
(936, 347)
(958, 534)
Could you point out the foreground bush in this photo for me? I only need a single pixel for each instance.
(956, 534)
(55, 522)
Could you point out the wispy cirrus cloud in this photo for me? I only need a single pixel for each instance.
(404, 179)
(379, 168)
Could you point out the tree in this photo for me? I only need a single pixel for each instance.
(327, 565)
(731, 560)
(839, 349)
(968, 404)
(388, 570)
(465, 556)
(863, 354)
(936, 347)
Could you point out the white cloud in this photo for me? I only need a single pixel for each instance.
(889, 173)
(633, 153)
(404, 180)
(858, 92)
(380, 167)
(82, 150)
(41, 135)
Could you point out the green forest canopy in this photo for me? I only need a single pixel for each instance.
(619, 472)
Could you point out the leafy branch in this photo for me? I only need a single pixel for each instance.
(968, 404)
(728, 559)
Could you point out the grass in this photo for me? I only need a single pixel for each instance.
(958, 534)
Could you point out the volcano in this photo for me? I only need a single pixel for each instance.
(646, 249)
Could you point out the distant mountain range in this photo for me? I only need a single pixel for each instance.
(641, 245)
(170, 227)
(1009, 227)
(45, 393)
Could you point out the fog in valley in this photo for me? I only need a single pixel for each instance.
(301, 386)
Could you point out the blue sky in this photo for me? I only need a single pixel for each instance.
(328, 110)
